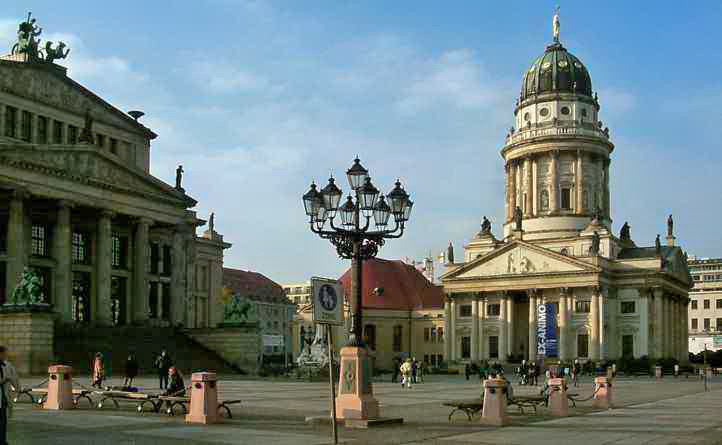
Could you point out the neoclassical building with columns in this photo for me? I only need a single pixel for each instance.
(613, 298)
(111, 243)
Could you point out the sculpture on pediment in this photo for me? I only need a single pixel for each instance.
(624, 232)
(450, 254)
(28, 291)
(670, 226)
(53, 54)
(594, 249)
(485, 226)
(212, 222)
(179, 178)
(86, 134)
(517, 218)
(510, 263)
(657, 245)
(27, 43)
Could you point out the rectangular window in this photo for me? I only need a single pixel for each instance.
(465, 310)
(627, 346)
(25, 131)
(628, 307)
(3, 235)
(706, 324)
(583, 307)
(398, 338)
(153, 299)
(493, 346)
(119, 251)
(718, 328)
(695, 326)
(155, 258)
(583, 345)
(370, 336)
(566, 199)
(493, 309)
(166, 260)
(72, 135)
(81, 297)
(42, 132)
(114, 146)
(80, 244)
(465, 347)
(693, 304)
(427, 335)
(100, 140)
(57, 132)
(433, 335)
(39, 240)
(165, 302)
(3, 282)
(706, 304)
(10, 115)
(440, 338)
(718, 304)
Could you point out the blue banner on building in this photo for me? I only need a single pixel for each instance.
(546, 325)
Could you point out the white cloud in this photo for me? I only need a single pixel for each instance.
(615, 101)
(219, 77)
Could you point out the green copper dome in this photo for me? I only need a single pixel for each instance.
(556, 71)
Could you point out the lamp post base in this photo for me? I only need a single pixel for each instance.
(355, 399)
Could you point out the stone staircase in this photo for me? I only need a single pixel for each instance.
(76, 346)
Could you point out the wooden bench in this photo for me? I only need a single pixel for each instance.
(141, 399)
(42, 393)
(183, 402)
(469, 407)
(522, 402)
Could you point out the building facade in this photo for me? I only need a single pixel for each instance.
(705, 308)
(110, 243)
(613, 298)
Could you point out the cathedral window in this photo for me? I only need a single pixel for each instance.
(706, 324)
(695, 326)
(72, 134)
(154, 258)
(566, 199)
(10, 114)
(25, 130)
(583, 307)
(42, 133)
(493, 346)
(693, 304)
(39, 240)
(465, 310)
(80, 243)
(100, 140)
(119, 251)
(544, 112)
(628, 307)
(114, 146)
(398, 337)
(718, 304)
(57, 132)
(706, 304)
(166, 260)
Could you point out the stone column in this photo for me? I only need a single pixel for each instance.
(579, 182)
(483, 354)
(178, 273)
(102, 304)
(668, 325)
(140, 270)
(452, 331)
(503, 332)
(447, 329)
(531, 353)
(594, 316)
(17, 249)
(2, 119)
(554, 182)
(602, 329)
(63, 278)
(644, 296)
(510, 325)
(563, 314)
(475, 328)
(18, 123)
(611, 333)
(685, 329)
(507, 188)
(512, 189)
(658, 346)
(534, 186)
(607, 199)
(528, 188)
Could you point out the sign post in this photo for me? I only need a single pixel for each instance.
(327, 310)
(546, 341)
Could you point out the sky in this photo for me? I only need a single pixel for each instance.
(256, 99)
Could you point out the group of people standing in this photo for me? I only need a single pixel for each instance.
(168, 375)
(411, 371)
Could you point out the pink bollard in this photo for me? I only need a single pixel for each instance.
(558, 403)
(602, 393)
(204, 399)
(60, 388)
(494, 409)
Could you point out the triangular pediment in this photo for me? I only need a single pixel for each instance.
(85, 164)
(39, 83)
(519, 258)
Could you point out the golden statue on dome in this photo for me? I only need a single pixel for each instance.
(556, 25)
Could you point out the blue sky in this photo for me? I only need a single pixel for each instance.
(256, 99)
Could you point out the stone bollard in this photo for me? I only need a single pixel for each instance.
(658, 372)
(60, 388)
(204, 399)
(494, 409)
(602, 393)
(558, 402)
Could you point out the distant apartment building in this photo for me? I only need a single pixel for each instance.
(705, 308)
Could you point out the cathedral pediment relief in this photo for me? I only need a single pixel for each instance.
(519, 258)
(85, 164)
(45, 86)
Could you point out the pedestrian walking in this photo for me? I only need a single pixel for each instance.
(163, 364)
(576, 369)
(98, 370)
(131, 371)
(8, 379)
(414, 370)
(421, 370)
(395, 372)
(406, 374)
(467, 371)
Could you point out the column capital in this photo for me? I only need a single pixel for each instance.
(19, 194)
(565, 291)
(533, 293)
(65, 204)
(107, 213)
(143, 220)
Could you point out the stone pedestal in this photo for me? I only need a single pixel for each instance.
(27, 333)
(602, 393)
(494, 410)
(355, 399)
(658, 372)
(60, 388)
(558, 403)
(204, 399)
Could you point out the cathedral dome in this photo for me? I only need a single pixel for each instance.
(556, 71)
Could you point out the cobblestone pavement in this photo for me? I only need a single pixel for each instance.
(673, 411)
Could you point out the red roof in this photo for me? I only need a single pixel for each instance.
(253, 285)
(405, 288)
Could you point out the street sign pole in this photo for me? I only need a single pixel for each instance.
(330, 384)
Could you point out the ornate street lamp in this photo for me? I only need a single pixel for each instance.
(356, 238)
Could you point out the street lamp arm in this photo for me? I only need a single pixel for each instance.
(392, 236)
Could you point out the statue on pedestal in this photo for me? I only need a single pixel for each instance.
(517, 218)
(485, 227)
(28, 291)
(179, 178)
(657, 245)
(595, 244)
(670, 226)
(624, 232)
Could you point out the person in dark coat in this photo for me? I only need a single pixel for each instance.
(131, 371)
(467, 371)
(396, 366)
(414, 369)
(163, 364)
(176, 387)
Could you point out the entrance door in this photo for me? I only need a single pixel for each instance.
(628, 346)
(465, 347)
(493, 346)
(81, 297)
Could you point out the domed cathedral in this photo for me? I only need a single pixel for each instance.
(559, 285)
